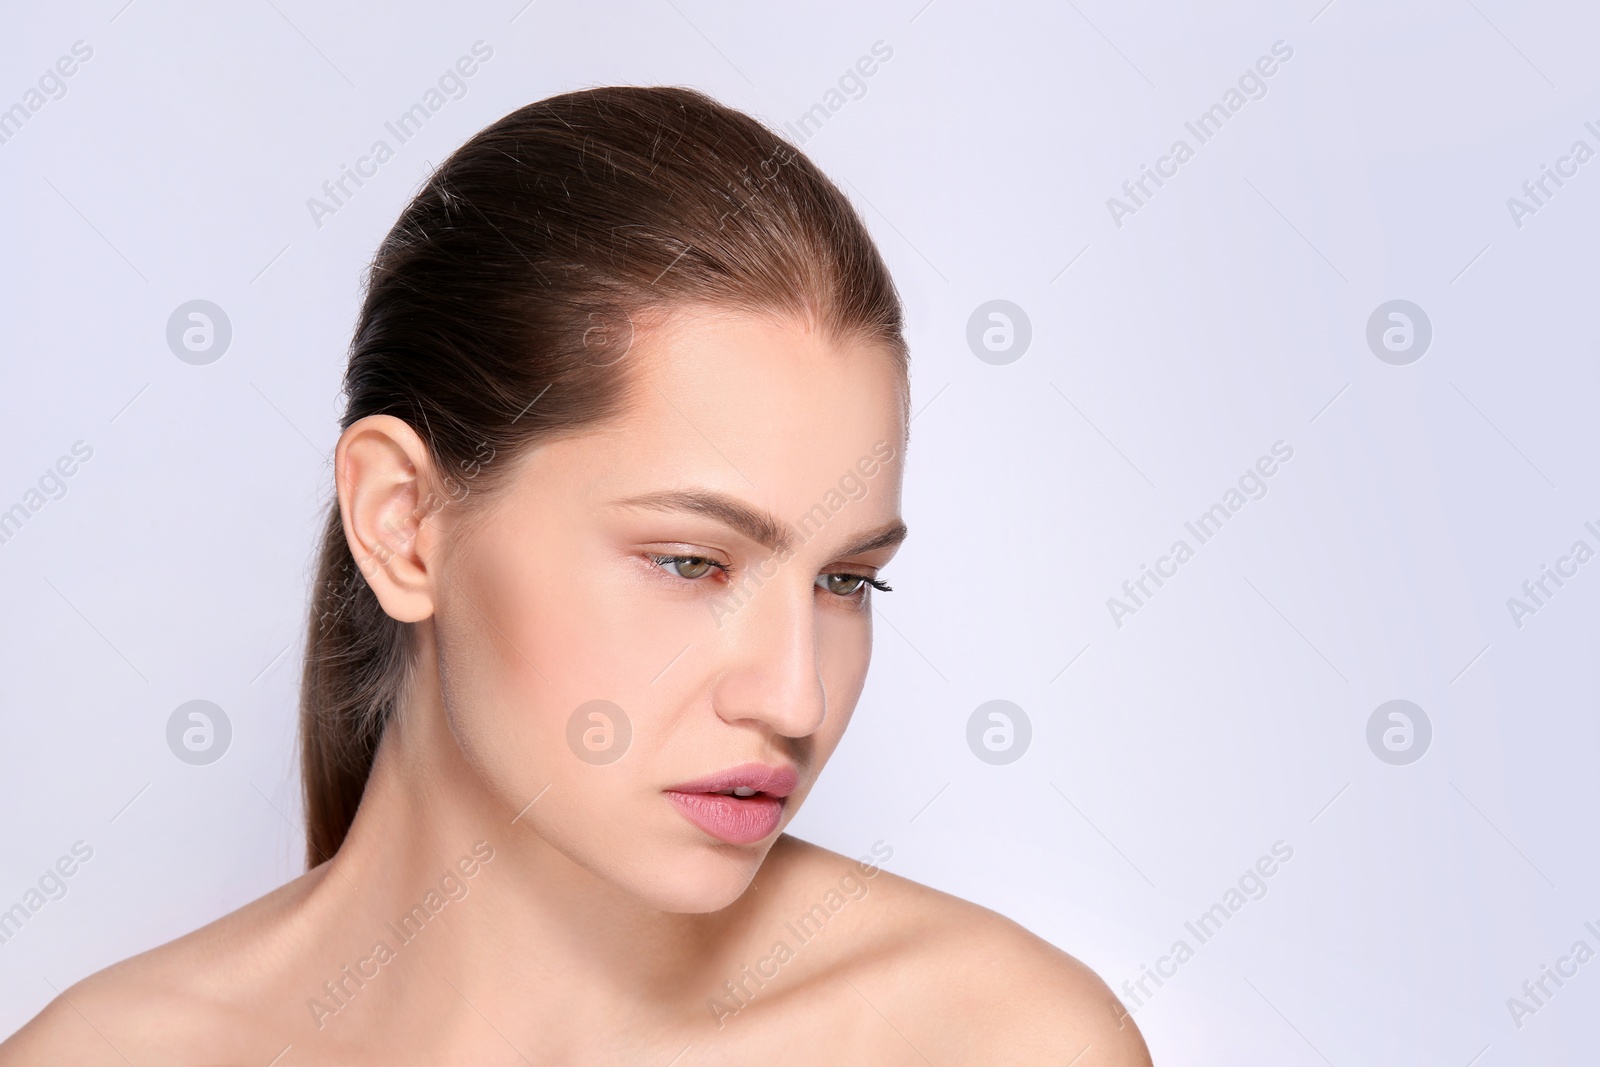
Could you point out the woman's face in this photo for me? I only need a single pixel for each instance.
(675, 605)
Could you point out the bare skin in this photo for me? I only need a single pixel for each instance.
(564, 911)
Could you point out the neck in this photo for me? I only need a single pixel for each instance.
(524, 925)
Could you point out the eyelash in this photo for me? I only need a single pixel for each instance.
(661, 559)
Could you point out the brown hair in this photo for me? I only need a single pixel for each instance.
(498, 312)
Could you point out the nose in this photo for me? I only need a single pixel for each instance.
(770, 649)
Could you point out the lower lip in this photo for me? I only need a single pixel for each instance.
(735, 820)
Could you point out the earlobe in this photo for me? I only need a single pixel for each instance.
(383, 473)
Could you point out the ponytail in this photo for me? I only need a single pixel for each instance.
(499, 312)
(356, 662)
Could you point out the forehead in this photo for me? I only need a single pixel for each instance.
(765, 409)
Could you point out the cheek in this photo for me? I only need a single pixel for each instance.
(510, 633)
(537, 633)
(844, 649)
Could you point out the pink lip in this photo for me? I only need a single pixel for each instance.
(736, 820)
(773, 781)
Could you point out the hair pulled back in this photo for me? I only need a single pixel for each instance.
(498, 315)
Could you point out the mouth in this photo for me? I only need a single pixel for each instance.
(738, 806)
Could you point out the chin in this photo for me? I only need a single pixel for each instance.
(702, 877)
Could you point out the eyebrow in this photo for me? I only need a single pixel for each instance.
(762, 527)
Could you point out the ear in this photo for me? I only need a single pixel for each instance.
(385, 480)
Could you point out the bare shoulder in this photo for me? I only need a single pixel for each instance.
(162, 1004)
(955, 976)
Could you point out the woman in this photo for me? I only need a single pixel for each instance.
(620, 468)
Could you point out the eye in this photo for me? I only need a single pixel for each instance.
(690, 568)
(848, 585)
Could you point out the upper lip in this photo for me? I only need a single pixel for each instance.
(762, 777)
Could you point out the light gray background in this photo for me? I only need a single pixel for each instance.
(1167, 354)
